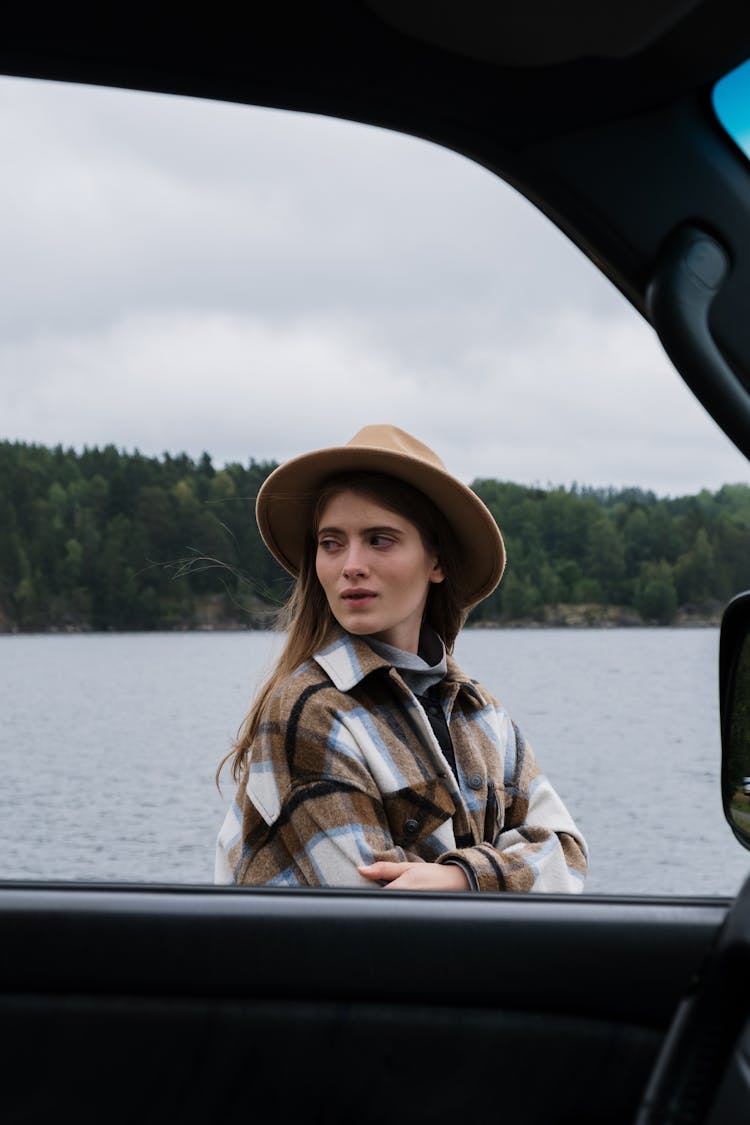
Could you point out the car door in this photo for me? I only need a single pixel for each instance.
(194, 1003)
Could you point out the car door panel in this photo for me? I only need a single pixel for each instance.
(332, 1005)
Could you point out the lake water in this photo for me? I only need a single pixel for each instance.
(109, 744)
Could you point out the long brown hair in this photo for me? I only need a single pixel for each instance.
(307, 618)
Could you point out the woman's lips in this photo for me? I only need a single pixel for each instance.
(358, 597)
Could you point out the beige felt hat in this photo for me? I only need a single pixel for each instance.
(287, 498)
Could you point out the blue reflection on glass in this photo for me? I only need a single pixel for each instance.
(731, 98)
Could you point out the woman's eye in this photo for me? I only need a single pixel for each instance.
(327, 544)
(381, 541)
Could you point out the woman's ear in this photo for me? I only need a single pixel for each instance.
(437, 574)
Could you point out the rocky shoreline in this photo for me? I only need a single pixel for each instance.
(591, 616)
(594, 616)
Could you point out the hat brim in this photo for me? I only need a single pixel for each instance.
(287, 497)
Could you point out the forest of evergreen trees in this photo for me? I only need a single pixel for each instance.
(105, 539)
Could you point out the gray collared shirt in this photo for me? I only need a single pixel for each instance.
(419, 673)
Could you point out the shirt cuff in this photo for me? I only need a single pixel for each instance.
(467, 870)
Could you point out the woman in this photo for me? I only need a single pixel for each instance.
(369, 759)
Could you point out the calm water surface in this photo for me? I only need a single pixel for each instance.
(109, 744)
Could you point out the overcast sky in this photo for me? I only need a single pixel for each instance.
(182, 276)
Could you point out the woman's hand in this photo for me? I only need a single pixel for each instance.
(417, 876)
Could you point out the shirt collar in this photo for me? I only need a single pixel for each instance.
(348, 659)
(413, 661)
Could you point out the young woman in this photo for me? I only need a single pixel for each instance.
(368, 758)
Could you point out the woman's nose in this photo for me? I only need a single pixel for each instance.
(354, 563)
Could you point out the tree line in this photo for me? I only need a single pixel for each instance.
(105, 539)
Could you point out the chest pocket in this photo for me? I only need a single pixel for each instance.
(416, 812)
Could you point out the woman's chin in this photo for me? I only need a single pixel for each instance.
(358, 626)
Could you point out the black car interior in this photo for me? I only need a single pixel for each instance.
(134, 1003)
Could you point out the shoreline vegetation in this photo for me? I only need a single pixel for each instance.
(108, 541)
(592, 616)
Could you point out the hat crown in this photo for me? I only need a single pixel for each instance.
(390, 439)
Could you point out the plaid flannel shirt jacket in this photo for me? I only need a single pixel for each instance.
(346, 770)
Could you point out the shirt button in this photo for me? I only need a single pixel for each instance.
(411, 827)
(476, 781)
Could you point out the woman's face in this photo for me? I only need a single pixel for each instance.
(375, 570)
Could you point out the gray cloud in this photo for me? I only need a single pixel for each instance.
(181, 275)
